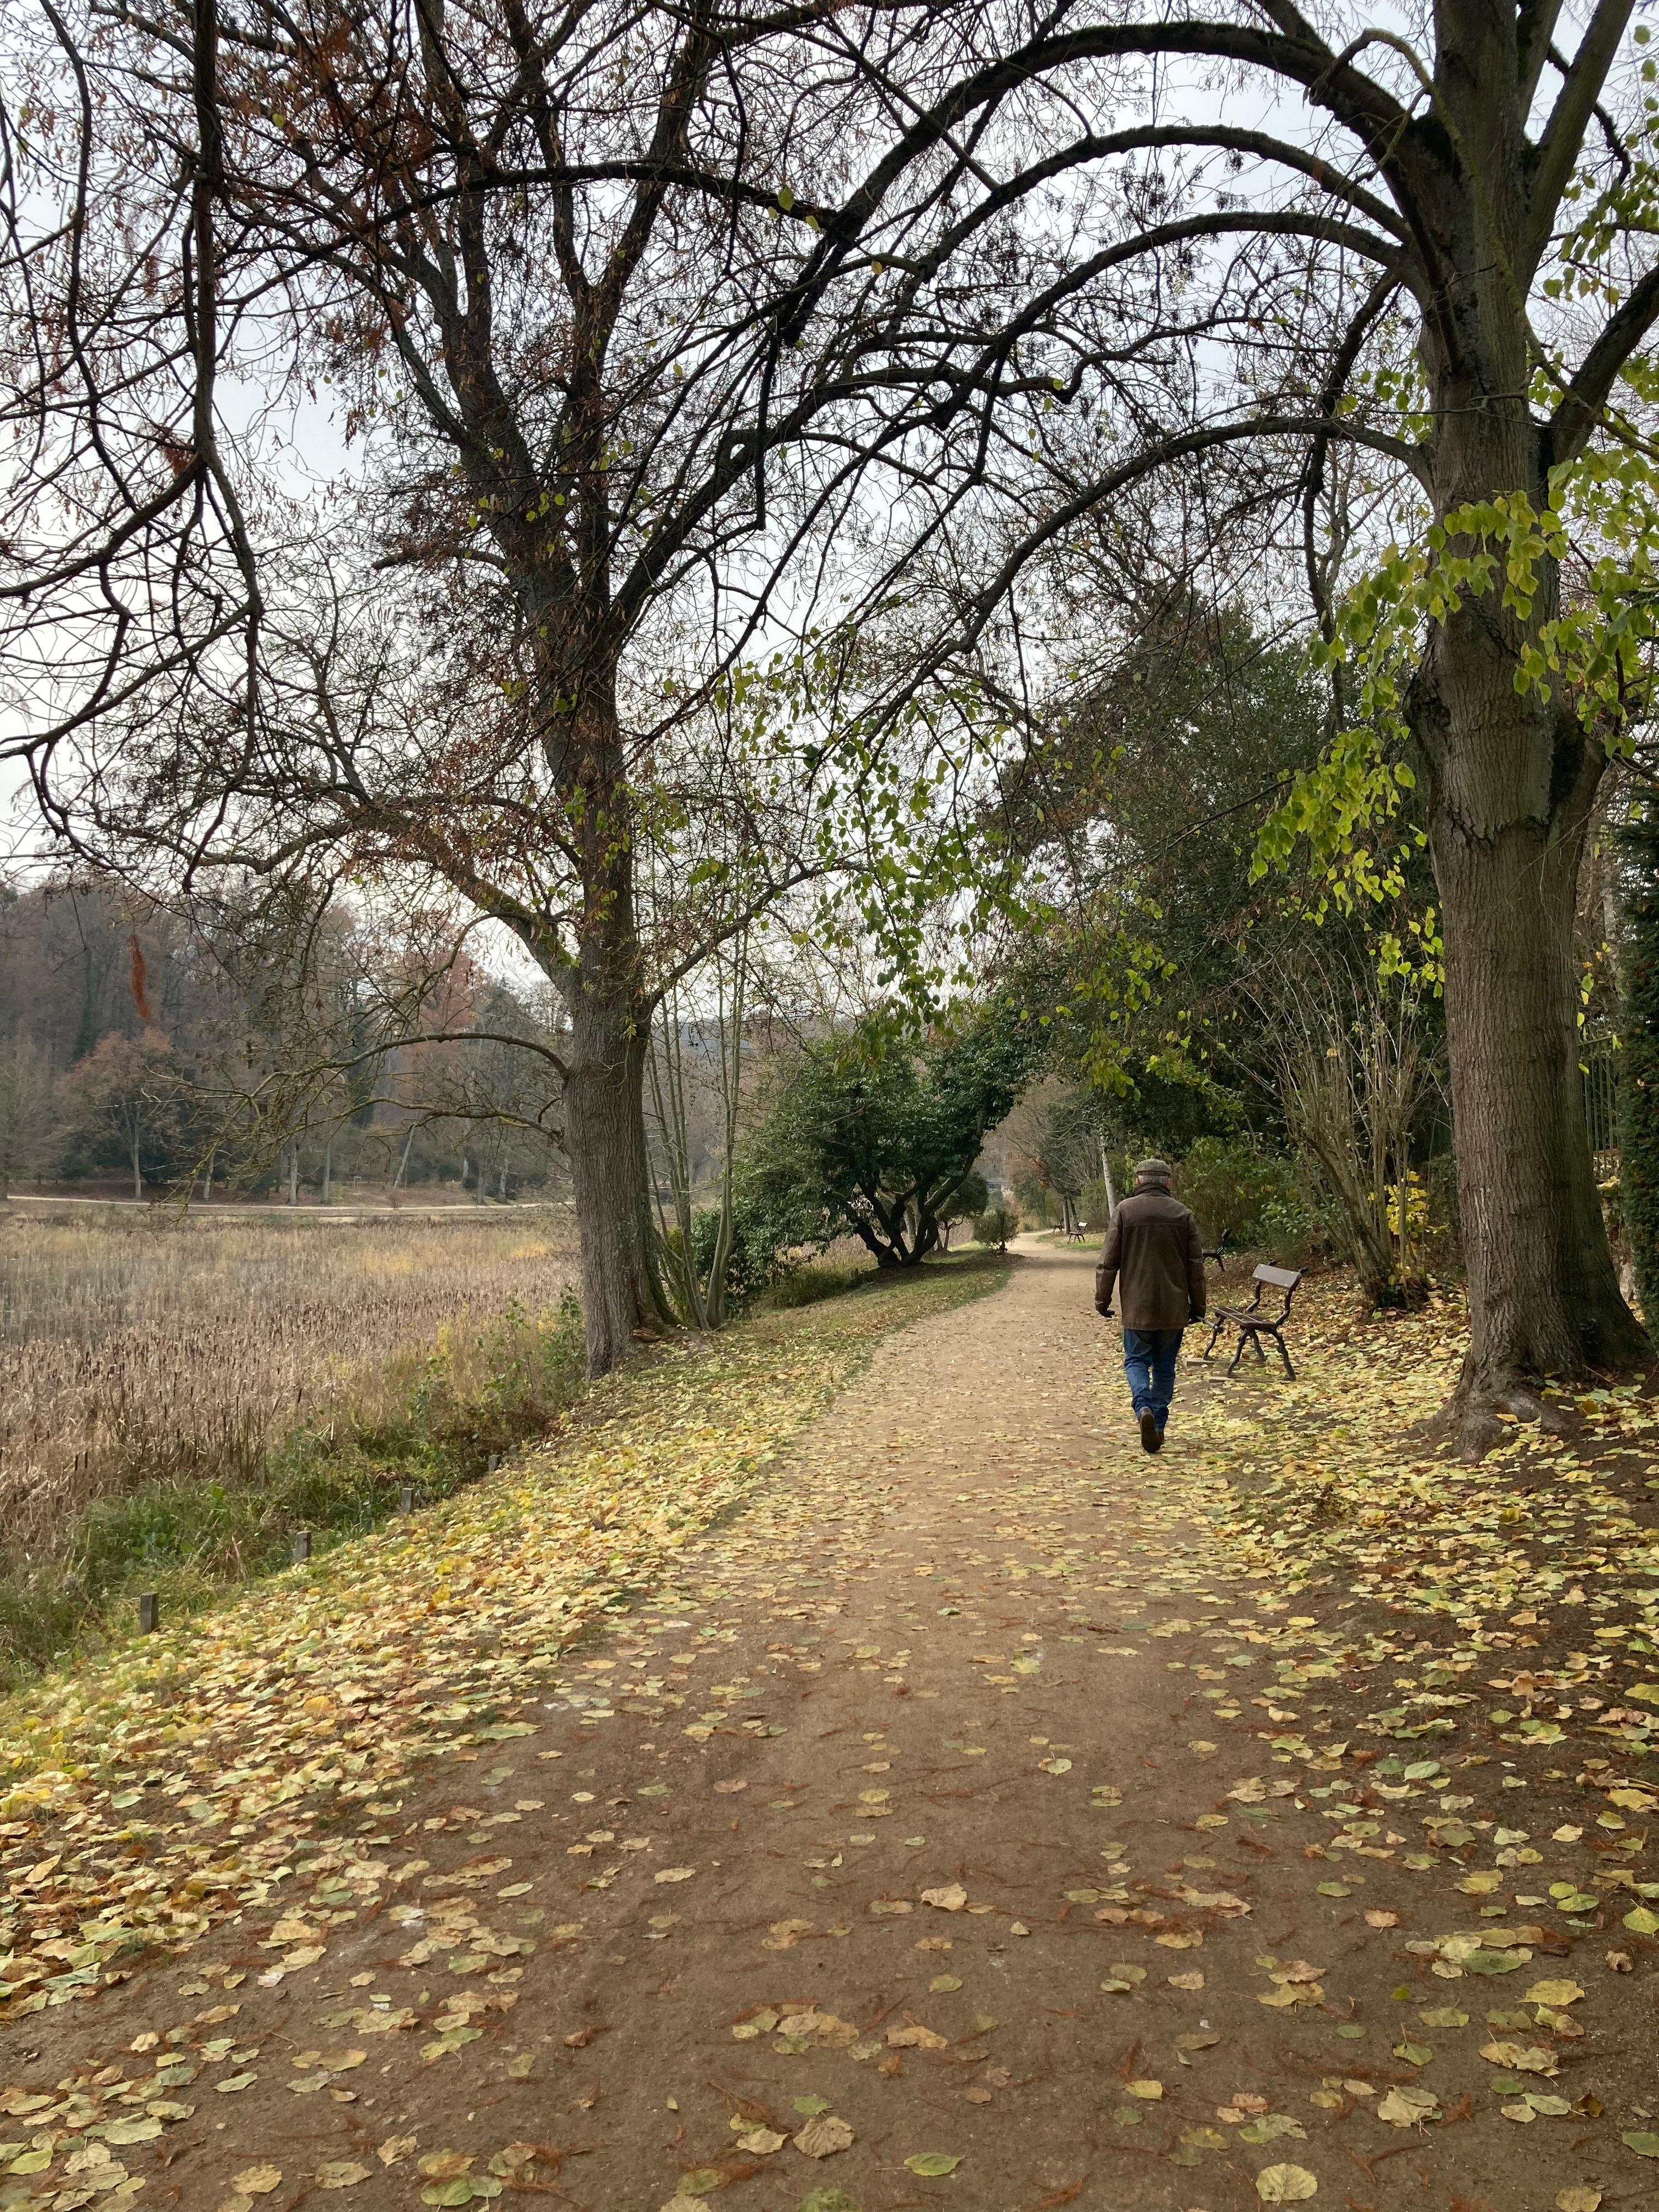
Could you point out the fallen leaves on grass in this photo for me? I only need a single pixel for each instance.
(328, 1687)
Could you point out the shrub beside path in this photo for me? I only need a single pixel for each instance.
(981, 1812)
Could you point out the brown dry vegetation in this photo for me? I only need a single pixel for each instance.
(166, 1346)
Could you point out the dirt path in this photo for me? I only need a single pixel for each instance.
(885, 1859)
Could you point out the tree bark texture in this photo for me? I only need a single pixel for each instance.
(604, 1133)
(611, 1009)
(1513, 777)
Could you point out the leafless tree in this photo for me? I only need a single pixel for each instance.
(1348, 1059)
(30, 1112)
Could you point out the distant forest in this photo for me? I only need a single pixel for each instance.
(140, 1055)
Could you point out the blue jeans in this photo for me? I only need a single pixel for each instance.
(1149, 1361)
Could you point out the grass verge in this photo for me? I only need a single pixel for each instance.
(429, 1420)
(169, 1781)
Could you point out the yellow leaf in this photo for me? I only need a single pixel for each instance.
(760, 2143)
(446, 2164)
(1405, 2107)
(1553, 1993)
(1285, 2185)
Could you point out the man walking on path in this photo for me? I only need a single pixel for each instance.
(1153, 1253)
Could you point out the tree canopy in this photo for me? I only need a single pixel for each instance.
(877, 1134)
(645, 339)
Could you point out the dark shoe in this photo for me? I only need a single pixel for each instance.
(1150, 1439)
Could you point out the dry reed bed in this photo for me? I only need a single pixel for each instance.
(138, 1347)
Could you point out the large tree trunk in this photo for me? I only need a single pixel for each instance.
(604, 1138)
(1512, 779)
(609, 1012)
(1544, 1296)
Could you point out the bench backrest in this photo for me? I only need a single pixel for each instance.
(1282, 1279)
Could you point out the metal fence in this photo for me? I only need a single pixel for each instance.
(1600, 1079)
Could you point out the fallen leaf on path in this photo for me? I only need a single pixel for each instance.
(1582, 2198)
(824, 2137)
(257, 2181)
(132, 2131)
(394, 2147)
(950, 1898)
(932, 2162)
(340, 2173)
(1407, 2107)
(674, 1874)
(760, 2143)
(1271, 2126)
(1553, 1993)
(1520, 2058)
(1285, 2185)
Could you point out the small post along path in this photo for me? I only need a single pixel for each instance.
(923, 1843)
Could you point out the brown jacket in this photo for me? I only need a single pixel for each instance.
(1153, 1253)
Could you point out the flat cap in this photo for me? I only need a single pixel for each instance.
(1154, 1171)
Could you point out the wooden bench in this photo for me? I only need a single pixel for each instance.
(1253, 1324)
